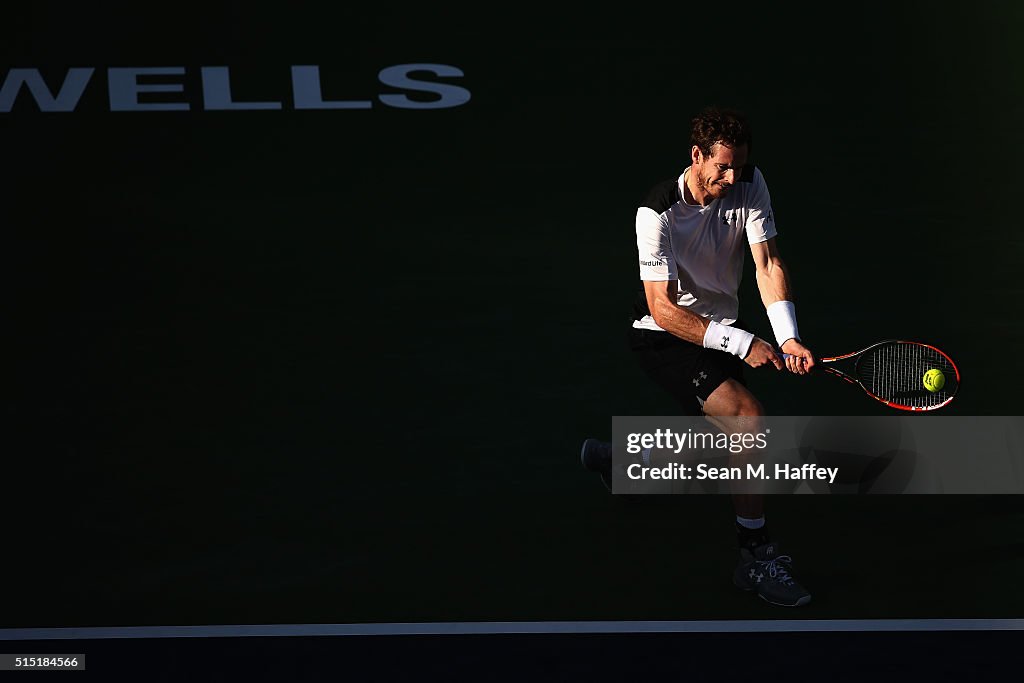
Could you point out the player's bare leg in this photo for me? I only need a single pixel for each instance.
(732, 408)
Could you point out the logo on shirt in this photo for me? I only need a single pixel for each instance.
(725, 343)
(652, 263)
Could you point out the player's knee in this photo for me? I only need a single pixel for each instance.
(749, 406)
(732, 399)
(745, 404)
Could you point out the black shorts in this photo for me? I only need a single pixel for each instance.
(689, 373)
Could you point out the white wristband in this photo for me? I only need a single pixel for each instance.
(782, 315)
(729, 339)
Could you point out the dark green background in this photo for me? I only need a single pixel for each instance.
(333, 366)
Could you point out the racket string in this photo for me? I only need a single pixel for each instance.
(895, 372)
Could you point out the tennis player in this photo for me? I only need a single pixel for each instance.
(692, 232)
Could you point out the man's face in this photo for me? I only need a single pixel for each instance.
(717, 173)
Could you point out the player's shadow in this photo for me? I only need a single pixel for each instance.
(873, 454)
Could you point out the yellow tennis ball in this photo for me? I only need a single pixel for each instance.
(934, 380)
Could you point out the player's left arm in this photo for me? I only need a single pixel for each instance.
(774, 284)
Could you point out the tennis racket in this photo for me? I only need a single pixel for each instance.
(893, 372)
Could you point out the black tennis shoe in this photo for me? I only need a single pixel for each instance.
(768, 573)
(596, 456)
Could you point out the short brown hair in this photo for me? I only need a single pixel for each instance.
(719, 125)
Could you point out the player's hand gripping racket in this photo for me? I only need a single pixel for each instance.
(901, 374)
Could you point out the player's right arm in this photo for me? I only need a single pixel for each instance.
(688, 326)
(670, 316)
